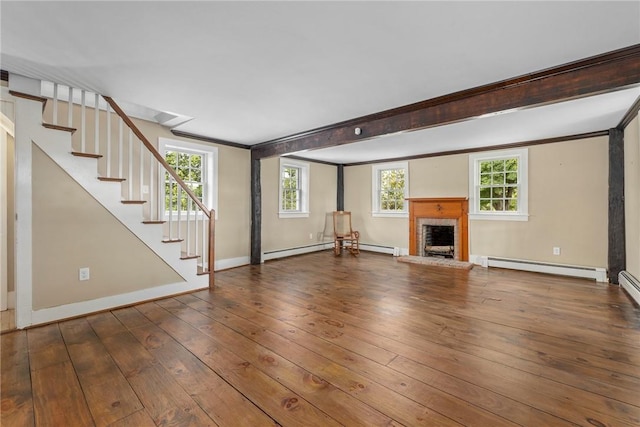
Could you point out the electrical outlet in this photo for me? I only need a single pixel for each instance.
(145, 189)
(83, 273)
(310, 236)
(556, 250)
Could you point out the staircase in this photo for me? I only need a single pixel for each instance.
(100, 147)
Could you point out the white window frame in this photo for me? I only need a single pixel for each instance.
(303, 206)
(210, 171)
(523, 185)
(376, 211)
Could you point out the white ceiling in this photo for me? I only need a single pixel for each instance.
(249, 72)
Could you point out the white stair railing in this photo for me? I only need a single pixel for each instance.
(126, 155)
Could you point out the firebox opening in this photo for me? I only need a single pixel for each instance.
(439, 241)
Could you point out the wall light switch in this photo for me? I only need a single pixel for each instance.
(556, 250)
(83, 273)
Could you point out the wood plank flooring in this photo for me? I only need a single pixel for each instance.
(316, 340)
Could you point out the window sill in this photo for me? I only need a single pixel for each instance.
(390, 214)
(293, 214)
(499, 216)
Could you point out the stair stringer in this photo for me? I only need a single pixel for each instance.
(57, 145)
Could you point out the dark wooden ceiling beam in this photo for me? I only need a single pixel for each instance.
(599, 74)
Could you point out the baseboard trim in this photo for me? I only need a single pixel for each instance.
(391, 250)
(54, 314)
(596, 273)
(225, 264)
(283, 253)
(630, 284)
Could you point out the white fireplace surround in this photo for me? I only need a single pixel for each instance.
(420, 222)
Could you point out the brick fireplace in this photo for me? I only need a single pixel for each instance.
(451, 211)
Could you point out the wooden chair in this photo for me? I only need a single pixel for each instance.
(344, 235)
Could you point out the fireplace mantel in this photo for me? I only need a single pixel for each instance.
(440, 208)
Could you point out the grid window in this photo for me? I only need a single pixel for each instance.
(498, 185)
(197, 166)
(290, 189)
(293, 189)
(390, 185)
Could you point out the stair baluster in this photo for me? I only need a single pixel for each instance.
(143, 180)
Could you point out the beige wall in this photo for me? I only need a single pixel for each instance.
(286, 233)
(234, 174)
(233, 226)
(632, 195)
(392, 232)
(72, 230)
(567, 203)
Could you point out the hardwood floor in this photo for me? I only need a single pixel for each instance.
(321, 341)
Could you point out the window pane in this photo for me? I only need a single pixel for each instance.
(498, 165)
(196, 161)
(485, 193)
(512, 205)
(497, 205)
(485, 205)
(485, 167)
(512, 178)
(485, 179)
(497, 178)
(497, 192)
(511, 192)
(512, 164)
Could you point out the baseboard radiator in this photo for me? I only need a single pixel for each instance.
(630, 284)
(598, 274)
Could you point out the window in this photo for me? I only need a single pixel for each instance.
(294, 189)
(390, 189)
(197, 166)
(498, 185)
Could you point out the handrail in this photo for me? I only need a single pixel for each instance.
(156, 154)
(196, 238)
(205, 211)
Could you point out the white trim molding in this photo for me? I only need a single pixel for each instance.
(596, 273)
(283, 253)
(630, 284)
(66, 311)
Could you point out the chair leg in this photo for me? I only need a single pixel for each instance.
(337, 248)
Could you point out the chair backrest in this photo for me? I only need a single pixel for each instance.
(342, 223)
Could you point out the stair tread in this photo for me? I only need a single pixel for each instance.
(202, 271)
(58, 127)
(89, 155)
(184, 255)
(111, 179)
(172, 240)
(154, 222)
(28, 96)
(133, 202)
